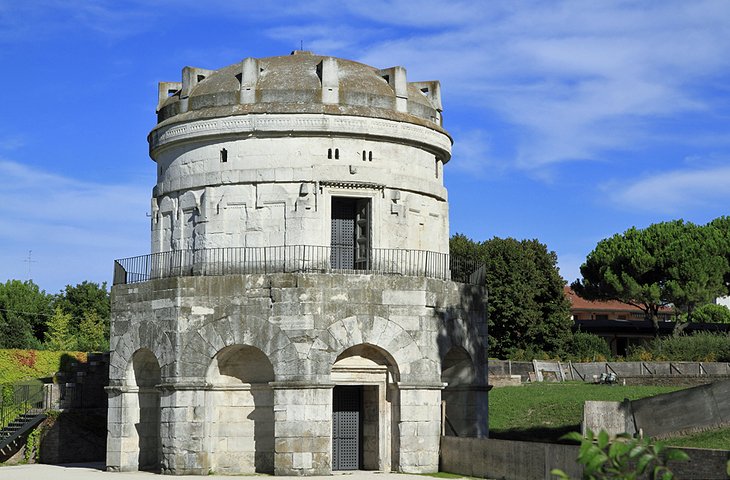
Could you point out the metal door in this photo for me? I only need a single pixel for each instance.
(350, 233)
(346, 427)
(343, 233)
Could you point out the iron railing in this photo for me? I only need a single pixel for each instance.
(296, 259)
(19, 399)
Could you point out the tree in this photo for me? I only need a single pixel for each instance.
(527, 308)
(670, 263)
(58, 335)
(722, 225)
(82, 299)
(711, 313)
(24, 311)
(92, 335)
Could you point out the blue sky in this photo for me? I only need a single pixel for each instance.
(572, 121)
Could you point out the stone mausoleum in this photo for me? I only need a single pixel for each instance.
(300, 312)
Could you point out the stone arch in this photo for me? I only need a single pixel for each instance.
(458, 374)
(240, 410)
(205, 343)
(142, 410)
(378, 332)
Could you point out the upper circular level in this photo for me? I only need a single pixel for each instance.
(300, 83)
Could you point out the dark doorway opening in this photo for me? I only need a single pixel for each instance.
(347, 427)
(350, 233)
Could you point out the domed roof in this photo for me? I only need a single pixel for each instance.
(300, 83)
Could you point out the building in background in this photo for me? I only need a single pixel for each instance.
(300, 312)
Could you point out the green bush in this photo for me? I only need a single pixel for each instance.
(700, 347)
(585, 347)
(625, 458)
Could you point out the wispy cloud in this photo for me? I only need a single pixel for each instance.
(675, 192)
(74, 228)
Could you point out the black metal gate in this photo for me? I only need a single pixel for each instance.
(350, 233)
(346, 427)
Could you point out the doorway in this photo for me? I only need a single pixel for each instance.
(350, 233)
(347, 417)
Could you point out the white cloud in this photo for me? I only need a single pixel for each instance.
(676, 192)
(75, 228)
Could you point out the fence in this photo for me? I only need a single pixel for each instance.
(588, 370)
(293, 259)
(17, 399)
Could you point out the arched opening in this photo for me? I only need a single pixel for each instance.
(143, 409)
(241, 411)
(457, 371)
(364, 409)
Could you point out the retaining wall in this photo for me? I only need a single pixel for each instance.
(514, 460)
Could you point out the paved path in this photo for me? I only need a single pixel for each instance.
(94, 472)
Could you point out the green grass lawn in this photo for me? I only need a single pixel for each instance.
(544, 412)
(719, 438)
(547, 411)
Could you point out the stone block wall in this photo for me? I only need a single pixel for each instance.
(298, 326)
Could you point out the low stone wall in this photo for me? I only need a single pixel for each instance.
(507, 459)
(513, 460)
(700, 407)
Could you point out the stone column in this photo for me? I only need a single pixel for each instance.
(419, 428)
(302, 428)
(182, 430)
(118, 456)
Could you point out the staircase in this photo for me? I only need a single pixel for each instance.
(16, 429)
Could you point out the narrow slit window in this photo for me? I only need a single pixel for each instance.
(329, 153)
(363, 155)
(370, 156)
(337, 153)
(224, 155)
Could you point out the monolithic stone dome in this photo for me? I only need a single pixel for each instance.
(300, 83)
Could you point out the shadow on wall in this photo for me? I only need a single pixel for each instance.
(464, 364)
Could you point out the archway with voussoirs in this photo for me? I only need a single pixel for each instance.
(457, 372)
(240, 411)
(142, 408)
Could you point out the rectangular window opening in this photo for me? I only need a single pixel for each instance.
(224, 155)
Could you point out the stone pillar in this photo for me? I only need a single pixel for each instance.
(419, 428)
(182, 430)
(117, 459)
(302, 428)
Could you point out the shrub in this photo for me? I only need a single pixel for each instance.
(585, 347)
(700, 347)
(625, 458)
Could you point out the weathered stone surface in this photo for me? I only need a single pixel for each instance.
(235, 372)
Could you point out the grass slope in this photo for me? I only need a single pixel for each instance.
(546, 411)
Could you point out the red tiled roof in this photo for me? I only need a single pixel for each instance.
(578, 303)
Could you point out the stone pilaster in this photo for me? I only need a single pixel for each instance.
(302, 429)
(419, 428)
(182, 430)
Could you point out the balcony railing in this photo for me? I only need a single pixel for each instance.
(296, 259)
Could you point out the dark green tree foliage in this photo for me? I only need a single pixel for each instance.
(671, 263)
(24, 311)
(722, 225)
(527, 307)
(711, 313)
